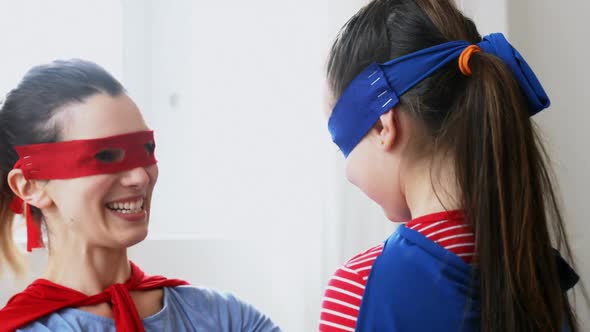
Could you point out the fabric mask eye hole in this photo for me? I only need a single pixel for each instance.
(110, 155)
(150, 147)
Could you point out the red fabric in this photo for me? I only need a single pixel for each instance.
(454, 215)
(44, 297)
(72, 159)
(343, 296)
(34, 238)
(450, 231)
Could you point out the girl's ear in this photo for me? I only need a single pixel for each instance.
(387, 129)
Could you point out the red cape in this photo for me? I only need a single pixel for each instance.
(43, 297)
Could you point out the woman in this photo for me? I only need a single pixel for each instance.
(435, 123)
(78, 157)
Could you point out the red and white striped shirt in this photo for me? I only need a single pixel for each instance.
(344, 293)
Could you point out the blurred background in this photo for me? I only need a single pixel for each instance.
(252, 197)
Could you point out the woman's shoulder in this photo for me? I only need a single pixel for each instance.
(69, 320)
(224, 308)
(203, 298)
(186, 308)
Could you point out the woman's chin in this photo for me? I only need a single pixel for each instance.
(131, 237)
(137, 238)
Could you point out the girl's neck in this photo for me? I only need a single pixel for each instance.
(428, 192)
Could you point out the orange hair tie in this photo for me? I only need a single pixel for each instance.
(464, 59)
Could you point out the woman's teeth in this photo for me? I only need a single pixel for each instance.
(127, 207)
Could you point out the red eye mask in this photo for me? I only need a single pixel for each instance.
(74, 159)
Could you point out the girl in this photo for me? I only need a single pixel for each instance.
(435, 124)
(78, 157)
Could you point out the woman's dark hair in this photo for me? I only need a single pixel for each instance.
(28, 116)
(501, 167)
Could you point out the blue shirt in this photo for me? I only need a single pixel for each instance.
(185, 309)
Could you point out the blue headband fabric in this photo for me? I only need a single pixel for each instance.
(379, 86)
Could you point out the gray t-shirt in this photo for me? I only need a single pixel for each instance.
(185, 309)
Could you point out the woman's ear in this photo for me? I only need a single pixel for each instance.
(387, 129)
(31, 192)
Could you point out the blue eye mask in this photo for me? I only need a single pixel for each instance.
(378, 87)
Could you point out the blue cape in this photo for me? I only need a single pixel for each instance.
(417, 285)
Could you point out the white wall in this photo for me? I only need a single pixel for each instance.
(234, 91)
(36, 31)
(241, 85)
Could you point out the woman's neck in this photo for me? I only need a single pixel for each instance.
(87, 269)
